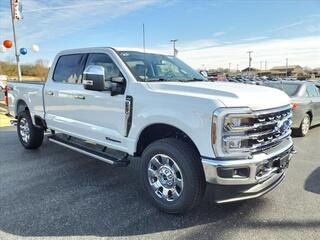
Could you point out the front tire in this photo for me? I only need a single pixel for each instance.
(30, 136)
(172, 175)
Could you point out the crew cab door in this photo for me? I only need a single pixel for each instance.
(87, 114)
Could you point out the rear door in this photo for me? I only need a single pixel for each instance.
(63, 111)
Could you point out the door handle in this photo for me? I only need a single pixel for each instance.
(81, 97)
(49, 93)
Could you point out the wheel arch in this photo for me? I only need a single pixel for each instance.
(309, 112)
(157, 131)
(20, 106)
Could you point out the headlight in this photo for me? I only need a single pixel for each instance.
(228, 128)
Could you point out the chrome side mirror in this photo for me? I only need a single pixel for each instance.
(94, 78)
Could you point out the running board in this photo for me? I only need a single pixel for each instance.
(86, 149)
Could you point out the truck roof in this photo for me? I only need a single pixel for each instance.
(90, 49)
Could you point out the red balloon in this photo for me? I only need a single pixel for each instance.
(7, 43)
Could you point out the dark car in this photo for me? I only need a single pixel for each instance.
(305, 102)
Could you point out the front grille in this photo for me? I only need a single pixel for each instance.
(270, 129)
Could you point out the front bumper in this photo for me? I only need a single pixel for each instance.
(242, 179)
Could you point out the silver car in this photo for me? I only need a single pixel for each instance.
(305, 102)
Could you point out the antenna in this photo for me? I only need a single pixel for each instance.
(144, 39)
(144, 50)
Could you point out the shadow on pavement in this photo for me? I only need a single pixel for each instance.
(312, 183)
(54, 192)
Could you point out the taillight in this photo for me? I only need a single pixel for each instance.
(294, 105)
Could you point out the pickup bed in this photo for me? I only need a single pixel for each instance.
(125, 105)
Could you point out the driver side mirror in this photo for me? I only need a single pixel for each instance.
(94, 78)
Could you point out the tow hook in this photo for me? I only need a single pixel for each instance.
(293, 150)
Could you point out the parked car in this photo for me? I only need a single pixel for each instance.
(114, 105)
(305, 102)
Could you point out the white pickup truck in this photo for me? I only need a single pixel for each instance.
(126, 105)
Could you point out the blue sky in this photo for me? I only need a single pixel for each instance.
(210, 33)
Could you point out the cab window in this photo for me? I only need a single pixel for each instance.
(69, 69)
(110, 68)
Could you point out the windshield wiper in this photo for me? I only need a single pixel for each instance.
(192, 80)
(176, 80)
(162, 80)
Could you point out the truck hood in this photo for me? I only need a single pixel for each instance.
(230, 94)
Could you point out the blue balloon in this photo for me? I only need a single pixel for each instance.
(23, 51)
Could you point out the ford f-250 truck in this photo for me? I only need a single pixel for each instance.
(126, 105)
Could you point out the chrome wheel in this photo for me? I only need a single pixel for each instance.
(305, 125)
(24, 130)
(165, 177)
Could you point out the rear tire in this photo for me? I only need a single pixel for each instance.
(30, 136)
(304, 126)
(172, 175)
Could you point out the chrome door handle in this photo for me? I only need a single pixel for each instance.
(81, 97)
(49, 93)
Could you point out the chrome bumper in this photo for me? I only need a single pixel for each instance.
(259, 174)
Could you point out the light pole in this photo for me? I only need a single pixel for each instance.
(250, 59)
(14, 7)
(229, 67)
(174, 46)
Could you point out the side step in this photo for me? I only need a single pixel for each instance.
(112, 157)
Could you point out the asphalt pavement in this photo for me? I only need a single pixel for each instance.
(56, 193)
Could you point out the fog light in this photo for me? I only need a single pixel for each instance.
(233, 172)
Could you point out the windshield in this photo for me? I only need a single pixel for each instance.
(291, 89)
(156, 67)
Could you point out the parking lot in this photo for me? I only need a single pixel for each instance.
(54, 193)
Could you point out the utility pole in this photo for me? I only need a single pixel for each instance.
(174, 46)
(286, 67)
(229, 67)
(250, 59)
(13, 17)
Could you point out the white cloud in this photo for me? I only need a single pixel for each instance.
(304, 51)
(313, 28)
(253, 39)
(45, 20)
(287, 26)
(217, 34)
